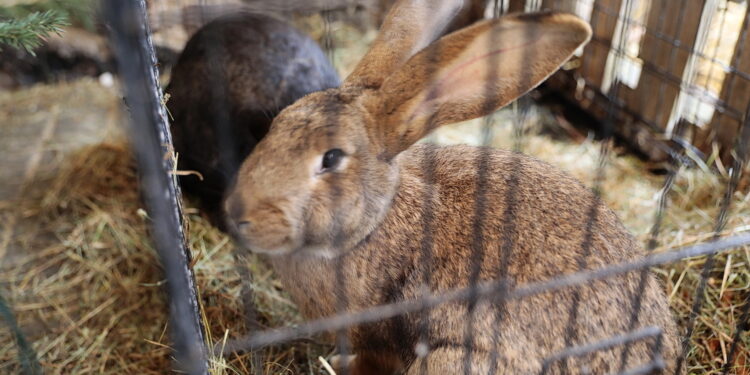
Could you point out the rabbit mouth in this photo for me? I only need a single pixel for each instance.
(270, 244)
(301, 251)
(287, 250)
(284, 247)
(253, 241)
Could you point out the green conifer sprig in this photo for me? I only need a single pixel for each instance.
(28, 32)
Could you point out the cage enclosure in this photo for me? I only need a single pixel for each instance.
(126, 224)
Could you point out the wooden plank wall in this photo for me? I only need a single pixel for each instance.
(603, 23)
(669, 22)
(643, 113)
(726, 123)
(516, 6)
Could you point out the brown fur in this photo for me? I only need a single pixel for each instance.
(393, 221)
(423, 21)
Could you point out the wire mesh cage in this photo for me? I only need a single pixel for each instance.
(441, 259)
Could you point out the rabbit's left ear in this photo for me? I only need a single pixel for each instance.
(471, 73)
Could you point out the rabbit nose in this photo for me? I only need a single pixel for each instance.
(244, 226)
(235, 210)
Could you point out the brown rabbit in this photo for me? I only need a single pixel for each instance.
(233, 77)
(338, 189)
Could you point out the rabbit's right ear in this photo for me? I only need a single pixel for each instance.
(471, 73)
(409, 26)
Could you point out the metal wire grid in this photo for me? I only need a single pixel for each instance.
(150, 137)
(668, 76)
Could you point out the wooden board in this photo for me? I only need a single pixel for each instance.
(516, 6)
(603, 24)
(561, 5)
(668, 21)
(724, 129)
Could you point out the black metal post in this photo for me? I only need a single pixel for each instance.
(151, 142)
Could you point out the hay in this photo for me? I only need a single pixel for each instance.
(88, 291)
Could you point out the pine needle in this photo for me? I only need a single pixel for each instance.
(28, 32)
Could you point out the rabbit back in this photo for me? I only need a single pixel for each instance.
(524, 221)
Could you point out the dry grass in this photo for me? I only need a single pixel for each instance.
(88, 290)
(87, 281)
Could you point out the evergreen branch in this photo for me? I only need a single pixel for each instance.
(29, 31)
(77, 12)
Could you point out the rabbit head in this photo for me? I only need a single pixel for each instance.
(314, 183)
(323, 177)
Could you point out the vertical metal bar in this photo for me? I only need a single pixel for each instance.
(653, 51)
(742, 326)
(669, 181)
(426, 256)
(343, 344)
(510, 204)
(427, 246)
(151, 139)
(478, 244)
(721, 220)
(571, 334)
(342, 304)
(741, 42)
(498, 7)
(672, 56)
(637, 298)
(478, 247)
(26, 355)
(670, 64)
(247, 297)
(328, 43)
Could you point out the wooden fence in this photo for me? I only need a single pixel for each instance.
(666, 76)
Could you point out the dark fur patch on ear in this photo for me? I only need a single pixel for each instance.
(384, 156)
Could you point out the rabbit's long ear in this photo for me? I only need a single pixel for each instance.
(409, 26)
(471, 73)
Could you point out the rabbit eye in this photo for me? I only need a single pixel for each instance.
(332, 158)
